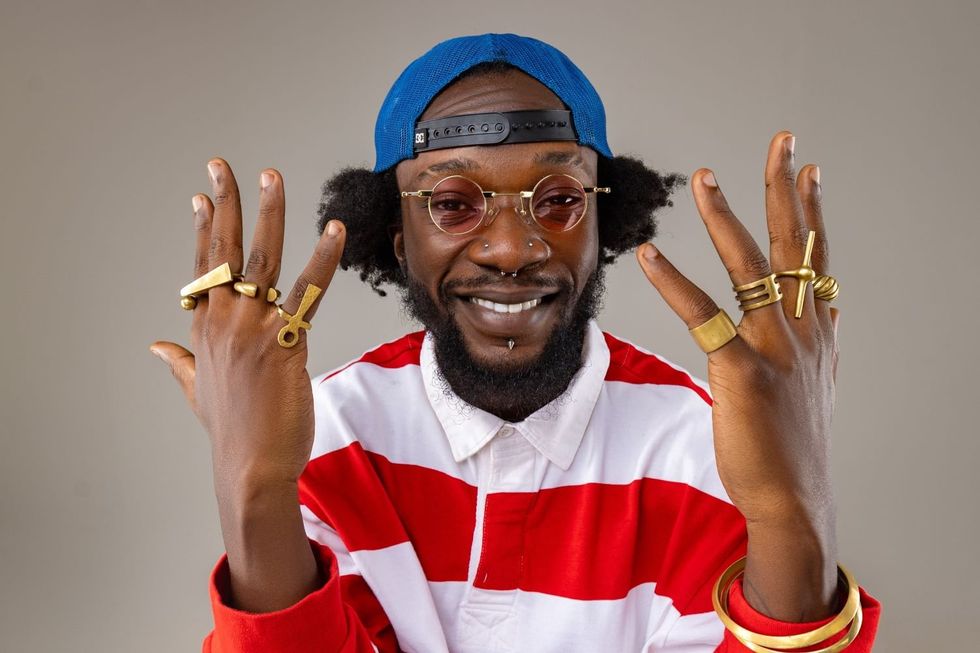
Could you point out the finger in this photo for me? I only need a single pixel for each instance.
(739, 252)
(265, 257)
(685, 298)
(784, 212)
(787, 229)
(737, 249)
(181, 364)
(809, 191)
(203, 210)
(320, 269)
(226, 225)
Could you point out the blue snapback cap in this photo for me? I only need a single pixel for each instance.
(425, 77)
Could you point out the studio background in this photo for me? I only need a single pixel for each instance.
(110, 110)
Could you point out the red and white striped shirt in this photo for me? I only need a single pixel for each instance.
(599, 523)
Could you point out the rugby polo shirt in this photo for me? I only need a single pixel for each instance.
(599, 523)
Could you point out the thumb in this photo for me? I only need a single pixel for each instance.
(181, 364)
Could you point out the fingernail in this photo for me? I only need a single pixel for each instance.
(197, 203)
(815, 175)
(709, 180)
(790, 145)
(266, 179)
(156, 353)
(333, 228)
(213, 169)
(650, 252)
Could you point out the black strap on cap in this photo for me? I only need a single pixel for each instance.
(494, 129)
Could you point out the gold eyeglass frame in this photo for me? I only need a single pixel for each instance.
(489, 209)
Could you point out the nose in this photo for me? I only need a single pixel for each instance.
(511, 243)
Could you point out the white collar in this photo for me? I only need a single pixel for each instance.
(556, 429)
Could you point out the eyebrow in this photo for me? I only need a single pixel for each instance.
(460, 165)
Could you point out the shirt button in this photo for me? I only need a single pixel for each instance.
(506, 431)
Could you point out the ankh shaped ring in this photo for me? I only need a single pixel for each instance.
(289, 334)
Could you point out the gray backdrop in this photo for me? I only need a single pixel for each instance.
(110, 110)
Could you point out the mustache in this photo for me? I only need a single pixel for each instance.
(488, 280)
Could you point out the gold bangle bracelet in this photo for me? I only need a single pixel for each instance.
(849, 614)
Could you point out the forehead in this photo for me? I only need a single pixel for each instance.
(509, 91)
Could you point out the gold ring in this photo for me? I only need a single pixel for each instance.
(250, 289)
(289, 334)
(200, 286)
(804, 274)
(714, 333)
(825, 287)
(764, 291)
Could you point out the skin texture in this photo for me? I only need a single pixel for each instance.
(773, 385)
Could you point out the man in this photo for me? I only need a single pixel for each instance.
(513, 478)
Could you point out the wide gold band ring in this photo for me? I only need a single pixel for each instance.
(714, 333)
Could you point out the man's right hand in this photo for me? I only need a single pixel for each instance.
(252, 395)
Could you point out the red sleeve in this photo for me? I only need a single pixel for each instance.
(321, 621)
(745, 615)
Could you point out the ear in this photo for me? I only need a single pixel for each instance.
(398, 242)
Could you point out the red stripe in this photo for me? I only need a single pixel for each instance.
(358, 595)
(374, 503)
(598, 541)
(630, 365)
(397, 353)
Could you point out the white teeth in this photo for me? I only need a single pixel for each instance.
(505, 308)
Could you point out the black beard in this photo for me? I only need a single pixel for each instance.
(509, 391)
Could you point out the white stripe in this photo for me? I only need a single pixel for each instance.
(642, 621)
(637, 430)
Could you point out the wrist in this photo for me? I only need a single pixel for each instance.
(791, 566)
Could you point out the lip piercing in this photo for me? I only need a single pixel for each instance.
(510, 343)
(486, 245)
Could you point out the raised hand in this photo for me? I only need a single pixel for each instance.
(251, 393)
(772, 387)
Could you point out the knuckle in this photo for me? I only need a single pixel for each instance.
(752, 263)
(202, 221)
(259, 260)
(300, 288)
(201, 262)
(324, 255)
(222, 197)
(221, 242)
(702, 307)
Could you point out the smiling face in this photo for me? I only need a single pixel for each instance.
(462, 273)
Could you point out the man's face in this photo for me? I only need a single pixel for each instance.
(453, 269)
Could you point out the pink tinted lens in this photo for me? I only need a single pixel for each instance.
(559, 202)
(457, 205)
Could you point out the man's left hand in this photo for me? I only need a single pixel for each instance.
(772, 387)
